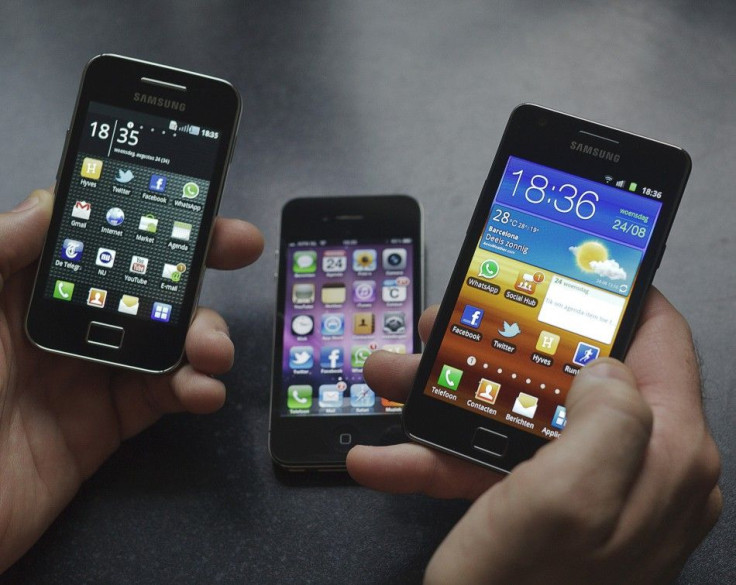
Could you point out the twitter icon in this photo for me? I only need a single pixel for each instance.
(510, 330)
(124, 176)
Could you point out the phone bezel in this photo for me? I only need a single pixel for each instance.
(112, 80)
(312, 442)
(543, 136)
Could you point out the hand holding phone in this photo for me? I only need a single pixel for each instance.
(563, 244)
(658, 480)
(137, 193)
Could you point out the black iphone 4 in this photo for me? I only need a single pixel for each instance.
(136, 196)
(563, 244)
(349, 282)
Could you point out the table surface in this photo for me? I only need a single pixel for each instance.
(355, 97)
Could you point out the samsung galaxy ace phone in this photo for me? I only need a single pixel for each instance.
(563, 244)
(137, 192)
(349, 283)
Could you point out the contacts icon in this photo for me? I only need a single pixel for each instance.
(487, 391)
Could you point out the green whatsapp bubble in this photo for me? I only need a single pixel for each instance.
(489, 269)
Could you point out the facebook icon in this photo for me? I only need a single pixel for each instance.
(585, 353)
(472, 316)
(157, 183)
(331, 358)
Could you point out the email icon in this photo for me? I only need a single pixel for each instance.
(128, 304)
(81, 210)
(525, 405)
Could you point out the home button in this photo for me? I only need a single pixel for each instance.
(490, 442)
(105, 335)
(344, 437)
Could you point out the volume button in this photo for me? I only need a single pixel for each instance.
(63, 156)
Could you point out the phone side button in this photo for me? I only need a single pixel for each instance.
(105, 335)
(490, 442)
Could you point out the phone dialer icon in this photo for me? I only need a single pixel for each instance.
(299, 397)
(63, 290)
(450, 377)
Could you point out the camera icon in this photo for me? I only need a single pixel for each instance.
(394, 259)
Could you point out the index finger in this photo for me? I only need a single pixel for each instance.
(235, 243)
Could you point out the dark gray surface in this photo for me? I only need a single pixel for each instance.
(364, 97)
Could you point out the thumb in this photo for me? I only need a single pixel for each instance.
(567, 497)
(22, 232)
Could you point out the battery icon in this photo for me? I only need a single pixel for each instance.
(632, 186)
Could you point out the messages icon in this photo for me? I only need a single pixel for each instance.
(525, 405)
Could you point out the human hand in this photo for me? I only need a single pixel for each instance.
(60, 417)
(623, 496)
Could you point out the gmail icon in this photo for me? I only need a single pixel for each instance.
(81, 210)
(525, 405)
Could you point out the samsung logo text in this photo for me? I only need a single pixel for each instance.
(595, 151)
(159, 102)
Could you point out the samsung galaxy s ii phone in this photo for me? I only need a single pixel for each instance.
(136, 196)
(349, 283)
(563, 244)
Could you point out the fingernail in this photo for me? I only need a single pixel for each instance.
(30, 202)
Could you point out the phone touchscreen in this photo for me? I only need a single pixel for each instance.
(343, 301)
(543, 295)
(133, 214)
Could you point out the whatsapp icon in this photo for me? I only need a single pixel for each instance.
(489, 269)
(190, 190)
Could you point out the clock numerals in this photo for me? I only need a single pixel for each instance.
(583, 205)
